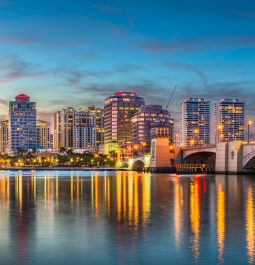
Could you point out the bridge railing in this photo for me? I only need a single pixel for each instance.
(184, 166)
(198, 146)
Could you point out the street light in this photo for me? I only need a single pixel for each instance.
(248, 136)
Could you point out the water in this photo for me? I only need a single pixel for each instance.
(125, 218)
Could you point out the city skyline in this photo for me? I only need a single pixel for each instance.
(78, 54)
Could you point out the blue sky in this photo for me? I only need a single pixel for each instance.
(75, 53)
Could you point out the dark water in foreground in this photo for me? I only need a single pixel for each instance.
(126, 218)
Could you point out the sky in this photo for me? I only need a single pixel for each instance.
(78, 52)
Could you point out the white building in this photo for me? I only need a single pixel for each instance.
(74, 130)
(4, 136)
(229, 120)
(195, 122)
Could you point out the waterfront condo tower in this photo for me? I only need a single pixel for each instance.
(119, 108)
(99, 113)
(43, 134)
(4, 136)
(229, 120)
(22, 124)
(195, 122)
(144, 120)
(74, 130)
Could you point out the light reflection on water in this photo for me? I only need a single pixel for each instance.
(125, 218)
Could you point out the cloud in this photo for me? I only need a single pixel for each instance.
(74, 76)
(22, 40)
(200, 44)
(243, 14)
(126, 68)
(186, 67)
(46, 116)
(108, 9)
(4, 103)
(13, 67)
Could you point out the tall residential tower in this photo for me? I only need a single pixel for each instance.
(195, 122)
(229, 120)
(119, 108)
(145, 119)
(22, 124)
(74, 130)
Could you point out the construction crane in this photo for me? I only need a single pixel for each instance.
(171, 96)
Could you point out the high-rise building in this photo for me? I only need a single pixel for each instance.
(99, 123)
(74, 130)
(195, 122)
(84, 131)
(229, 120)
(22, 124)
(64, 128)
(119, 108)
(144, 120)
(43, 134)
(4, 136)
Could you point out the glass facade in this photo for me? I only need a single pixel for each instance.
(43, 134)
(99, 113)
(22, 125)
(74, 130)
(118, 111)
(147, 117)
(229, 125)
(195, 122)
(4, 136)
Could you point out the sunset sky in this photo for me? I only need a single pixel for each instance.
(76, 53)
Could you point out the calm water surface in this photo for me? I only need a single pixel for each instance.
(126, 218)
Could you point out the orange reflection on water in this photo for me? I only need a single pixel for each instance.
(130, 196)
(177, 213)
(220, 214)
(195, 215)
(146, 197)
(136, 200)
(250, 225)
(118, 191)
(4, 189)
(18, 189)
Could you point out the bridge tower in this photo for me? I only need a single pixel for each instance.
(160, 153)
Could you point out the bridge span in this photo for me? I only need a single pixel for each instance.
(231, 157)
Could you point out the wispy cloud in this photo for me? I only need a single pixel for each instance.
(200, 44)
(108, 9)
(186, 67)
(13, 67)
(126, 68)
(243, 14)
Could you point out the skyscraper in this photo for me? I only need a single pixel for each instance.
(22, 124)
(74, 130)
(118, 111)
(147, 117)
(4, 136)
(84, 131)
(229, 120)
(99, 123)
(195, 122)
(43, 134)
(63, 125)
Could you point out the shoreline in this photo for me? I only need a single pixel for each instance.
(60, 168)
